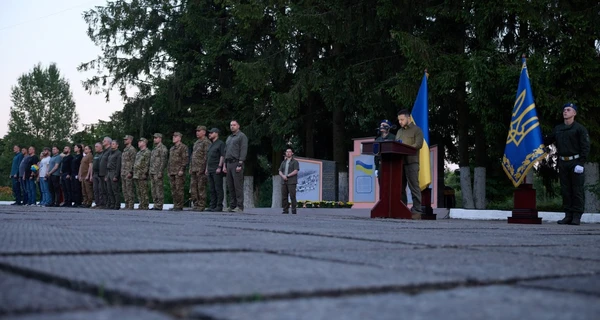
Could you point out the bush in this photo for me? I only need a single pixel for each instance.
(6, 194)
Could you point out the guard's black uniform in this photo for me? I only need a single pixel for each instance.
(573, 147)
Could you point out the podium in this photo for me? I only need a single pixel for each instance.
(392, 154)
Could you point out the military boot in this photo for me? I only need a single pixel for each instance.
(576, 219)
(567, 219)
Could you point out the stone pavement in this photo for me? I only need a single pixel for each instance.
(320, 264)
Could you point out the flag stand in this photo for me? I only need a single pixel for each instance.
(524, 205)
(426, 205)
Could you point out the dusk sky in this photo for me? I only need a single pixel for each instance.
(34, 31)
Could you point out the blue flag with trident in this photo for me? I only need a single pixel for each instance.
(524, 144)
(420, 116)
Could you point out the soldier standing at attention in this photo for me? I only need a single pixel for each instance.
(288, 171)
(112, 178)
(178, 160)
(86, 177)
(572, 143)
(235, 156)
(410, 134)
(214, 170)
(198, 169)
(98, 181)
(102, 172)
(158, 163)
(127, 160)
(141, 167)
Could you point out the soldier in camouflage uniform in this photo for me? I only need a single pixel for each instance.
(178, 160)
(141, 167)
(127, 160)
(158, 163)
(198, 168)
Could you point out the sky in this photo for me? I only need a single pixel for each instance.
(43, 31)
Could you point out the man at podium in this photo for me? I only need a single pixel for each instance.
(409, 133)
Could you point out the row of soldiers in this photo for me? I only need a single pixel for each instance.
(129, 169)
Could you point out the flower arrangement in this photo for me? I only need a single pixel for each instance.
(324, 204)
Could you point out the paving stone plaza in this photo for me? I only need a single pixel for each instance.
(320, 264)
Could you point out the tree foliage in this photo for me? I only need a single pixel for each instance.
(315, 74)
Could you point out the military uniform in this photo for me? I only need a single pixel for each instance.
(141, 167)
(289, 187)
(99, 198)
(198, 171)
(102, 173)
(158, 162)
(114, 170)
(127, 160)
(236, 147)
(382, 136)
(573, 147)
(216, 151)
(178, 160)
(412, 135)
(86, 185)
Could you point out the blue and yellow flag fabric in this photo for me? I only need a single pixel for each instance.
(524, 144)
(364, 167)
(420, 116)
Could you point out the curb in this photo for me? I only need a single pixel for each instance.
(469, 214)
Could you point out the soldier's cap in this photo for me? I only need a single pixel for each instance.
(144, 139)
(128, 137)
(386, 122)
(569, 104)
(213, 130)
(158, 135)
(200, 128)
(177, 134)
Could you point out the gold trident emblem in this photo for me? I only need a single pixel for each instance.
(519, 128)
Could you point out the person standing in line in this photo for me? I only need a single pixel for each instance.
(158, 163)
(98, 181)
(127, 161)
(112, 178)
(288, 171)
(103, 172)
(43, 177)
(66, 178)
(383, 135)
(22, 166)
(30, 176)
(86, 177)
(14, 175)
(141, 168)
(178, 160)
(410, 134)
(572, 143)
(198, 169)
(75, 166)
(54, 175)
(215, 160)
(236, 147)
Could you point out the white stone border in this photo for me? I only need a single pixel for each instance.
(470, 214)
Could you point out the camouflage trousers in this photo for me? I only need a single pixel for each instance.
(142, 193)
(177, 185)
(198, 189)
(128, 195)
(158, 193)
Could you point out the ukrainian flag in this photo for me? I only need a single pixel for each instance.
(524, 144)
(420, 116)
(364, 167)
